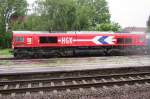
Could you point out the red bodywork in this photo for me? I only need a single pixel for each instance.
(32, 39)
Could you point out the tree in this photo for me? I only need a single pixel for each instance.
(10, 9)
(57, 14)
(65, 15)
(115, 27)
(148, 24)
(100, 10)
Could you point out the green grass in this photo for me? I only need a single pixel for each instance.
(5, 52)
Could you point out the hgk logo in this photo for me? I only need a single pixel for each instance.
(66, 40)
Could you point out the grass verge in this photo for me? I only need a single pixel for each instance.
(5, 52)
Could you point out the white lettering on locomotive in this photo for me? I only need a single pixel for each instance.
(66, 40)
(29, 40)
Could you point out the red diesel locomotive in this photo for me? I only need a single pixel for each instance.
(37, 44)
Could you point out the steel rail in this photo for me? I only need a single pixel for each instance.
(74, 78)
(74, 86)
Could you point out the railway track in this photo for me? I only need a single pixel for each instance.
(55, 85)
(78, 56)
(7, 58)
(16, 59)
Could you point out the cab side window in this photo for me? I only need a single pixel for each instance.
(19, 39)
(124, 40)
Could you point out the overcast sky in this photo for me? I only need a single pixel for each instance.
(128, 12)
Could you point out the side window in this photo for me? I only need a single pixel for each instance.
(124, 40)
(120, 41)
(128, 41)
(48, 40)
(19, 39)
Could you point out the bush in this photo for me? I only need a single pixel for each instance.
(5, 40)
(115, 27)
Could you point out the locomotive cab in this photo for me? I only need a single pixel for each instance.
(18, 40)
(21, 42)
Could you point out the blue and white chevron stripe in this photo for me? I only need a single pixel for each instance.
(101, 40)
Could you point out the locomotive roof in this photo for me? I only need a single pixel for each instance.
(69, 32)
(64, 32)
